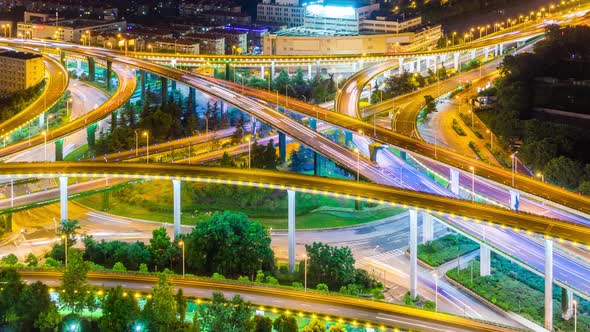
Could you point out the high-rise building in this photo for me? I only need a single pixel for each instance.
(20, 71)
(288, 12)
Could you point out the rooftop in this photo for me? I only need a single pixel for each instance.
(19, 55)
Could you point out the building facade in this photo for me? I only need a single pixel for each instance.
(288, 12)
(20, 71)
(74, 31)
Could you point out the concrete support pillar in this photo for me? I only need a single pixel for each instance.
(78, 65)
(164, 82)
(413, 252)
(176, 202)
(309, 72)
(401, 66)
(455, 181)
(427, 227)
(501, 49)
(318, 68)
(514, 200)
(549, 284)
(456, 61)
(472, 54)
(63, 197)
(42, 120)
(567, 303)
(419, 65)
(486, 52)
(283, 147)
(291, 231)
(443, 58)
(495, 50)
(262, 73)
(91, 69)
(435, 63)
(109, 73)
(142, 83)
(485, 260)
(223, 106)
(272, 69)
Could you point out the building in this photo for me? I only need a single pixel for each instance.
(384, 23)
(20, 71)
(196, 8)
(301, 41)
(338, 16)
(288, 12)
(74, 31)
(183, 46)
(236, 41)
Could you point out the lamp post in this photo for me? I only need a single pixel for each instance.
(45, 145)
(454, 34)
(435, 292)
(491, 139)
(541, 176)
(514, 166)
(305, 273)
(181, 243)
(147, 145)
(358, 164)
(136, 143)
(472, 183)
(575, 303)
(249, 151)
(471, 112)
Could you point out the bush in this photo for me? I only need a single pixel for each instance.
(31, 260)
(243, 279)
(297, 285)
(119, 267)
(259, 277)
(458, 129)
(143, 268)
(429, 305)
(9, 260)
(51, 263)
(271, 280)
(217, 276)
(322, 288)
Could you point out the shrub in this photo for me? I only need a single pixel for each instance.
(9, 259)
(217, 276)
(297, 284)
(143, 268)
(322, 288)
(51, 263)
(243, 279)
(119, 267)
(31, 260)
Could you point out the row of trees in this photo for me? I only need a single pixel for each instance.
(16, 102)
(397, 85)
(556, 150)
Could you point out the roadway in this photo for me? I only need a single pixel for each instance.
(57, 81)
(398, 316)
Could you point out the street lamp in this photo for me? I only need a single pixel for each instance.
(491, 139)
(514, 165)
(136, 143)
(249, 151)
(540, 175)
(147, 145)
(358, 164)
(472, 183)
(575, 303)
(471, 112)
(181, 243)
(435, 292)
(305, 273)
(45, 144)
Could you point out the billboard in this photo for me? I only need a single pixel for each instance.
(330, 11)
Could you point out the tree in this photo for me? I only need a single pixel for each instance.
(119, 267)
(314, 326)
(69, 228)
(10, 292)
(49, 319)
(229, 244)
(181, 304)
(331, 265)
(118, 310)
(9, 260)
(160, 244)
(75, 281)
(285, 323)
(430, 104)
(143, 268)
(160, 311)
(337, 328)
(223, 315)
(31, 303)
(564, 171)
(31, 260)
(262, 324)
(227, 161)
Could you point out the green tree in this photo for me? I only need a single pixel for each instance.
(160, 245)
(31, 260)
(430, 104)
(119, 267)
(31, 303)
(143, 268)
(333, 266)
(314, 326)
(181, 304)
(285, 323)
(69, 228)
(119, 310)
(49, 319)
(337, 328)
(10, 293)
(75, 281)
(223, 315)
(9, 260)
(160, 311)
(229, 244)
(262, 324)
(564, 171)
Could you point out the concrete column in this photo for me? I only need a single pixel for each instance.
(283, 147)
(309, 72)
(78, 65)
(472, 54)
(401, 66)
(176, 202)
(109, 73)
(164, 87)
(413, 252)
(495, 50)
(63, 197)
(262, 73)
(223, 106)
(455, 181)
(456, 61)
(419, 65)
(318, 68)
(42, 120)
(567, 303)
(273, 69)
(501, 49)
(486, 52)
(514, 200)
(91, 69)
(435, 63)
(291, 231)
(549, 284)
(427, 227)
(485, 260)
